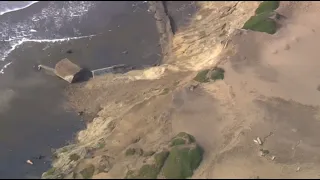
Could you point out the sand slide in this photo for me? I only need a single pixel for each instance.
(261, 121)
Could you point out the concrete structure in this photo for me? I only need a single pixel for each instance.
(120, 68)
(72, 73)
(67, 70)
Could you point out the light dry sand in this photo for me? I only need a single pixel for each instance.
(270, 90)
(274, 84)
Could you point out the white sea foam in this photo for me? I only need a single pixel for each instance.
(4, 67)
(13, 47)
(43, 26)
(17, 8)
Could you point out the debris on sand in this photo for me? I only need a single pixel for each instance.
(258, 141)
(30, 162)
(263, 152)
(298, 169)
(80, 113)
(193, 86)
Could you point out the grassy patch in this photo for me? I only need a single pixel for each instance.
(202, 76)
(267, 6)
(261, 23)
(149, 171)
(160, 158)
(217, 73)
(101, 145)
(177, 142)
(74, 157)
(181, 162)
(88, 172)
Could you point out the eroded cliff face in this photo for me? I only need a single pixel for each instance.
(140, 111)
(136, 109)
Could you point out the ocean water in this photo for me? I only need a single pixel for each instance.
(50, 22)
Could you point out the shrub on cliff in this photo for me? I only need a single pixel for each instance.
(149, 171)
(267, 6)
(262, 22)
(184, 157)
(202, 76)
(182, 161)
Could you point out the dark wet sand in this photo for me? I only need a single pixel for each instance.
(32, 117)
(181, 13)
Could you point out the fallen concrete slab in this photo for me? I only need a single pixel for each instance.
(67, 70)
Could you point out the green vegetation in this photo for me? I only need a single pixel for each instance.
(149, 171)
(177, 141)
(74, 157)
(214, 74)
(181, 162)
(101, 145)
(217, 73)
(87, 172)
(267, 6)
(160, 158)
(184, 157)
(202, 76)
(262, 22)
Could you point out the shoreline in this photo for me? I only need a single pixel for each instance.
(163, 24)
(43, 120)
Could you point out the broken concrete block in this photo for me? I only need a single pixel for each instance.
(67, 70)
